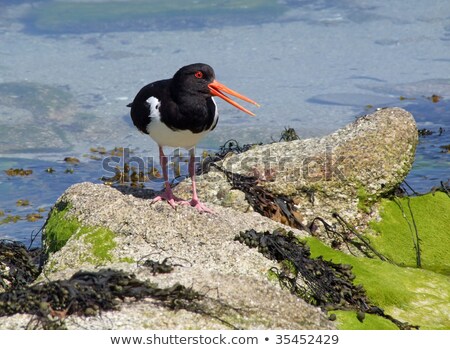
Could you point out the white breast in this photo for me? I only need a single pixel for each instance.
(164, 136)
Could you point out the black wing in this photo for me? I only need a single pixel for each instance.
(140, 108)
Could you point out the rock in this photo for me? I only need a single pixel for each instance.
(93, 227)
(213, 187)
(345, 172)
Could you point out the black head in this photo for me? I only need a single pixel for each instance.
(197, 81)
(193, 79)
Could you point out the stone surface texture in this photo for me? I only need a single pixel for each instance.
(345, 172)
(233, 277)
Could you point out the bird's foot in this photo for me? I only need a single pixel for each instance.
(200, 206)
(172, 200)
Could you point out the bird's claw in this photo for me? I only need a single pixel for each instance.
(200, 206)
(172, 200)
(175, 201)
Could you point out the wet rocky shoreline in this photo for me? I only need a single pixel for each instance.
(196, 261)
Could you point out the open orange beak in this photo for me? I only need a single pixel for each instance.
(218, 89)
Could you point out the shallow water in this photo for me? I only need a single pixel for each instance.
(68, 70)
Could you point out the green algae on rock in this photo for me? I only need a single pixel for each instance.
(346, 320)
(416, 296)
(403, 220)
(101, 241)
(60, 227)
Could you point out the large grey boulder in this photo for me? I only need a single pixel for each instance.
(109, 229)
(345, 172)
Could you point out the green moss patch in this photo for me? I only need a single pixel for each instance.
(401, 217)
(365, 201)
(59, 228)
(417, 296)
(102, 242)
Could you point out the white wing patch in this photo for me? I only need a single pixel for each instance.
(154, 107)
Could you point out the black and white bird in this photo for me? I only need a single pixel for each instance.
(179, 112)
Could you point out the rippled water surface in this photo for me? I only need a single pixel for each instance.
(68, 68)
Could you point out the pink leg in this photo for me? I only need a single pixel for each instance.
(195, 201)
(168, 195)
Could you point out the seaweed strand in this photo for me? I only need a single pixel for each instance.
(413, 229)
(319, 282)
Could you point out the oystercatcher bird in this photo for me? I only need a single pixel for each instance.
(178, 112)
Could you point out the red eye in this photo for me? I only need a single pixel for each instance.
(198, 74)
